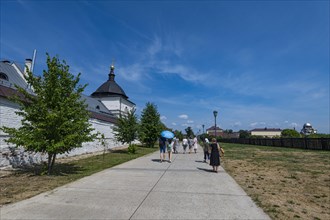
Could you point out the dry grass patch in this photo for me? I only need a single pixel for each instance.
(286, 183)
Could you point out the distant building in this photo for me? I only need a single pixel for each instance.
(266, 132)
(308, 129)
(229, 135)
(214, 130)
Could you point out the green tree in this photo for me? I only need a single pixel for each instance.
(126, 129)
(150, 125)
(54, 118)
(290, 133)
(189, 132)
(178, 134)
(244, 134)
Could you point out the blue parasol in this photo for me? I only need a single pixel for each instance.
(167, 134)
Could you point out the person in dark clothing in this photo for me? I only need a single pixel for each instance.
(162, 148)
(215, 155)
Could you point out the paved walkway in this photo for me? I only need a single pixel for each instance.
(144, 188)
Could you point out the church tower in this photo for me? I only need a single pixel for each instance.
(113, 96)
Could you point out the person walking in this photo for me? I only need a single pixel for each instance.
(169, 149)
(195, 144)
(215, 155)
(184, 144)
(162, 148)
(175, 145)
(190, 144)
(206, 149)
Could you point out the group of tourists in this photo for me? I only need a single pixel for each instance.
(191, 143)
(212, 151)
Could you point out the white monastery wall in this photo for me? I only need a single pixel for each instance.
(10, 156)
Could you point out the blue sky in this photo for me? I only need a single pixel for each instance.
(258, 63)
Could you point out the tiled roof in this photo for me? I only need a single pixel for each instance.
(110, 87)
(213, 128)
(14, 77)
(267, 129)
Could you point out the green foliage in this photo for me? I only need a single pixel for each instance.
(131, 149)
(290, 133)
(150, 125)
(244, 134)
(189, 132)
(54, 118)
(126, 128)
(228, 131)
(178, 134)
(319, 136)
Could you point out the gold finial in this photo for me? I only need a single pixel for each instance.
(113, 64)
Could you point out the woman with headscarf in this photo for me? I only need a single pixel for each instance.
(215, 155)
(206, 148)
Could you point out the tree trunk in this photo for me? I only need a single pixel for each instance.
(53, 162)
(50, 156)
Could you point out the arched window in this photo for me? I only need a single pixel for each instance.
(3, 76)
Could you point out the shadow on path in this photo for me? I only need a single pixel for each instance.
(206, 170)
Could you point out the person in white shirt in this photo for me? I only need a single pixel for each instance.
(184, 144)
(195, 144)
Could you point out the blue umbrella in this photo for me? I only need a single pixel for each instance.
(167, 134)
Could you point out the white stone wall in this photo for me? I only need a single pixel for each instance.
(266, 133)
(10, 156)
(8, 117)
(112, 103)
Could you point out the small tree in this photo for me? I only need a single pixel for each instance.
(126, 128)
(54, 118)
(244, 134)
(150, 125)
(290, 133)
(189, 132)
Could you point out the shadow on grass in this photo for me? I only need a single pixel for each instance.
(59, 169)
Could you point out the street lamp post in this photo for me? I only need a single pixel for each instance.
(215, 113)
(203, 128)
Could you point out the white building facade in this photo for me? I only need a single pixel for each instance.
(266, 132)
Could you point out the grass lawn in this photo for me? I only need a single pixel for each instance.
(286, 183)
(23, 184)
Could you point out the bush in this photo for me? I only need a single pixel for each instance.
(132, 149)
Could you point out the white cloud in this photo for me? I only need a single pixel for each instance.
(257, 124)
(190, 121)
(173, 123)
(163, 117)
(183, 116)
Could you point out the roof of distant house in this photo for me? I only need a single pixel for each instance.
(213, 128)
(267, 129)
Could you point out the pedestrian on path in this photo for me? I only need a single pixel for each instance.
(175, 145)
(195, 144)
(206, 149)
(169, 145)
(162, 148)
(190, 143)
(184, 144)
(215, 155)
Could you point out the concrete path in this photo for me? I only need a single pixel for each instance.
(144, 188)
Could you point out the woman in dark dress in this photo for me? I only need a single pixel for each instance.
(215, 155)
